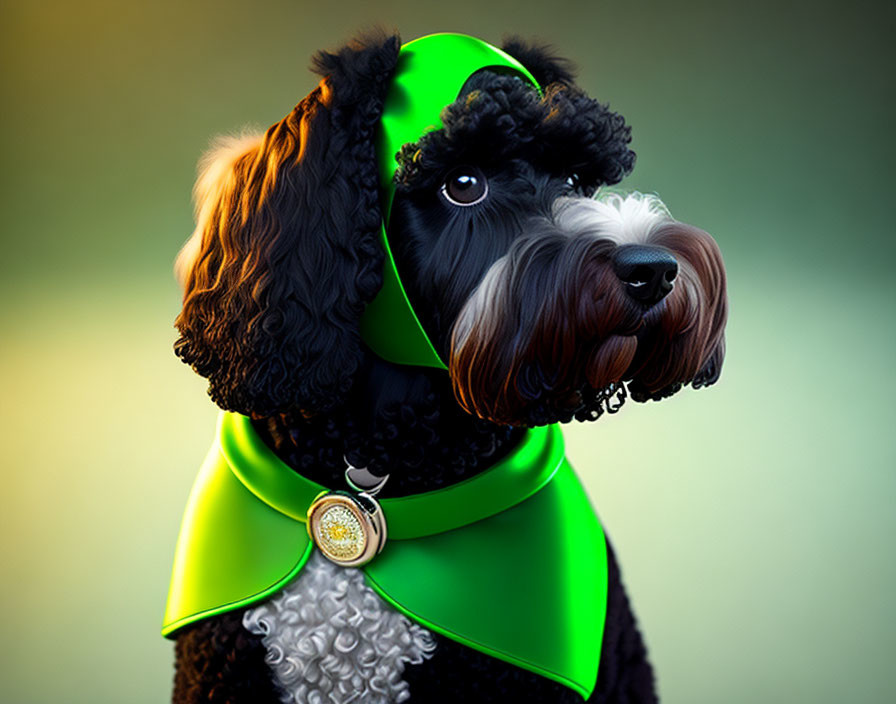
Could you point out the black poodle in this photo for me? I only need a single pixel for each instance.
(548, 297)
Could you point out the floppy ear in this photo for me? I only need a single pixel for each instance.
(287, 252)
(541, 61)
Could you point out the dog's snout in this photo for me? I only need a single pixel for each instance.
(648, 273)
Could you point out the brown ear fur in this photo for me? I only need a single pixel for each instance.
(289, 253)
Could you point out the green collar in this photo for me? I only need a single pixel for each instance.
(511, 562)
(520, 474)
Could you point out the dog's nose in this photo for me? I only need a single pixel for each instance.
(647, 272)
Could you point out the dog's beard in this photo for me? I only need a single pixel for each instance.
(550, 333)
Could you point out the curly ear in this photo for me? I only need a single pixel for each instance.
(541, 61)
(287, 253)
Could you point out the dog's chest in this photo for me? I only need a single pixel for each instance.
(330, 638)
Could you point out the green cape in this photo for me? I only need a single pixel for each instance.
(511, 562)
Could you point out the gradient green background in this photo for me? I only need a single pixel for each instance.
(754, 521)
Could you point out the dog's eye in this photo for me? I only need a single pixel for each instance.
(575, 184)
(465, 185)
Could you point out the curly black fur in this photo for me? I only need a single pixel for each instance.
(271, 309)
(217, 661)
(541, 60)
(416, 433)
(500, 118)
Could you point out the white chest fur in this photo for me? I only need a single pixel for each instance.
(331, 640)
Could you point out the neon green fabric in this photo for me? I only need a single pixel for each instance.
(511, 562)
(430, 72)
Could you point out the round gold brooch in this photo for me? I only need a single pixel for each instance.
(349, 529)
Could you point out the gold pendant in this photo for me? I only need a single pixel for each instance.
(349, 529)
